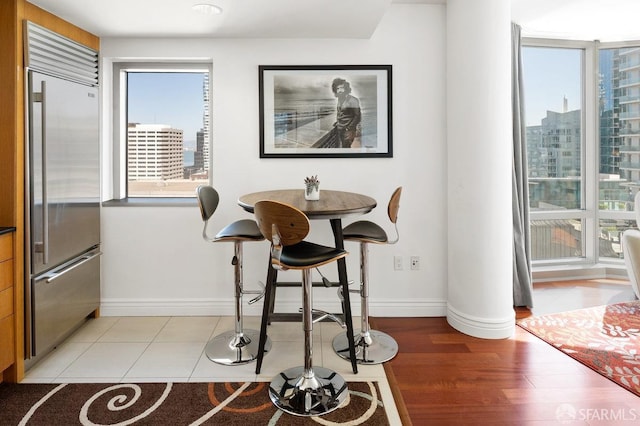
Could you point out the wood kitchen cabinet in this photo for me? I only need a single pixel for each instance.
(7, 312)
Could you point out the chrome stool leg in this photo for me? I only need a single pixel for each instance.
(238, 346)
(308, 390)
(372, 346)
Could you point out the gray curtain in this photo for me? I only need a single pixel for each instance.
(522, 279)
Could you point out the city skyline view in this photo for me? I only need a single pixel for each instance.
(549, 78)
(171, 98)
(167, 132)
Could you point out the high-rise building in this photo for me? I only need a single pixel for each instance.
(198, 155)
(553, 147)
(154, 152)
(608, 109)
(561, 139)
(554, 160)
(206, 123)
(536, 153)
(629, 116)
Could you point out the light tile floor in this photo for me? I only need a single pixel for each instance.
(171, 349)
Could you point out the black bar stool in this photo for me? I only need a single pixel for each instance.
(239, 346)
(372, 346)
(305, 390)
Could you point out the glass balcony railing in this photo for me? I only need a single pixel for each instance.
(610, 235)
(629, 99)
(630, 165)
(628, 115)
(555, 239)
(626, 82)
(626, 51)
(629, 62)
(629, 132)
(629, 149)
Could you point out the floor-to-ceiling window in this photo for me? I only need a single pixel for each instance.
(553, 84)
(619, 148)
(582, 105)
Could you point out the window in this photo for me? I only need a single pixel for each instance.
(553, 94)
(619, 131)
(582, 182)
(162, 129)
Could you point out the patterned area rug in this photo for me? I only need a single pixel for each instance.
(172, 404)
(604, 338)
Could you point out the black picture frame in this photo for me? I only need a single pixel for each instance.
(299, 115)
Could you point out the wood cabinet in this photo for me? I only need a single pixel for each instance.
(7, 312)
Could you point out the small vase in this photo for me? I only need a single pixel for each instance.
(312, 193)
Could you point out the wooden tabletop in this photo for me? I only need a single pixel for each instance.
(331, 205)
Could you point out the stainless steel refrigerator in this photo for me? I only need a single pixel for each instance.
(63, 209)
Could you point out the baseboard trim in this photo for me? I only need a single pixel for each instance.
(570, 273)
(484, 328)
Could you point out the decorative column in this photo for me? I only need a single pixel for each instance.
(480, 295)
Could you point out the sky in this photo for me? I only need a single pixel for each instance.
(550, 74)
(167, 98)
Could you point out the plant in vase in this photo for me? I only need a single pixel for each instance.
(312, 188)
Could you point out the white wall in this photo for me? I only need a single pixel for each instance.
(155, 261)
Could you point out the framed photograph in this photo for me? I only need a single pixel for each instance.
(325, 111)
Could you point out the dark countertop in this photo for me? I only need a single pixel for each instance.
(6, 229)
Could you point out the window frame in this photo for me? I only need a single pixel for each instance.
(585, 213)
(589, 213)
(119, 179)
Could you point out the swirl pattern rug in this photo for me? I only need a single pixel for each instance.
(604, 338)
(172, 404)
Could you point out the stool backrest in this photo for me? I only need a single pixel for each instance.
(394, 205)
(208, 200)
(392, 211)
(285, 223)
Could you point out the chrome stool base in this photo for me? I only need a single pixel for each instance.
(379, 347)
(314, 394)
(231, 348)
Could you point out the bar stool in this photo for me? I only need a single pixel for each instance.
(306, 390)
(239, 346)
(372, 346)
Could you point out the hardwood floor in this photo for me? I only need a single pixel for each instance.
(445, 377)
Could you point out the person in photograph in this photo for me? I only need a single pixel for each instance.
(348, 113)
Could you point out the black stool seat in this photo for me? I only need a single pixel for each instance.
(244, 229)
(364, 230)
(308, 255)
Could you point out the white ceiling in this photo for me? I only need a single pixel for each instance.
(240, 18)
(604, 20)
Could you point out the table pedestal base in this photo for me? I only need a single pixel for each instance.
(376, 348)
(313, 392)
(231, 348)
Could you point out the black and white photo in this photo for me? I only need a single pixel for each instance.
(325, 111)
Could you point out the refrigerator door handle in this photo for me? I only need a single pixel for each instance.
(55, 274)
(45, 201)
(44, 245)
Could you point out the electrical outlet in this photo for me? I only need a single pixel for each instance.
(397, 263)
(415, 263)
